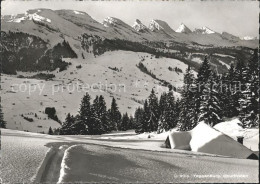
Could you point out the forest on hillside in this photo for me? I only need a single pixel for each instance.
(207, 97)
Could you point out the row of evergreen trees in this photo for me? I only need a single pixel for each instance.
(94, 118)
(157, 115)
(208, 97)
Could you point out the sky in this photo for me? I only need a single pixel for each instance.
(236, 17)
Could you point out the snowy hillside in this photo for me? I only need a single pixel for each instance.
(112, 74)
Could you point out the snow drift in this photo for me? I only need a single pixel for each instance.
(204, 138)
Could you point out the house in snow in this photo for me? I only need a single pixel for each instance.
(206, 139)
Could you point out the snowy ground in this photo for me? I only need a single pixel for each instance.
(115, 157)
(129, 86)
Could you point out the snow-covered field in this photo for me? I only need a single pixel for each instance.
(115, 157)
(129, 86)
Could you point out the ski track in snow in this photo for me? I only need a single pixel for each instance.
(57, 161)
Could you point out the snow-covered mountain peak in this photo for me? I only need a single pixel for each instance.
(183, 29)
(155, 25)
(109, 21)
(138, 26)
(207, 30)
(29, 15)
(248, 38)
(204, 30)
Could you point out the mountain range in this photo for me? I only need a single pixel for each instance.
(157, 30)
(85, 35)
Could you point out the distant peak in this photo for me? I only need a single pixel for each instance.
(248, 38)
(207, 30)
(183, 29)
(138, 26)
(34, 15)
(109, 21)
(155, 25)
(204, 30)
(160, 25)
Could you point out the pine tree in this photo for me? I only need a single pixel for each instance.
(143, 118)
(210, 111)
(84, 124)
(96, 118)
(169, 117)
(50, 132)
(162, 102)
(154, 112)
(114, 116)
(131, 124)
(249, 99)
(2, 122)
(103, 114)
(67, 127)
(201, 81)
(139, 120)
(125, 122)
(204, 72)
(188, 115)
(229, 99)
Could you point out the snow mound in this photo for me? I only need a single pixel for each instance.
(64, 163)
(40, 170)
(231, 128)
(206, 139)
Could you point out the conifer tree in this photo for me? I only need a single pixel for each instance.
(154, 112)
(50, 132)
(67, 126)
(210, 110)
(230, 103)
(114, 116)
(249, 99)
(139, 120)
(84, 124)
(131, 124)
(201, 81)
(103, 114)
(125, 122)
(162, 102)
(96, 118)
(169, 117)
(188, 114)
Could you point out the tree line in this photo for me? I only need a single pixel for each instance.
(94, 118)
(208, 97)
